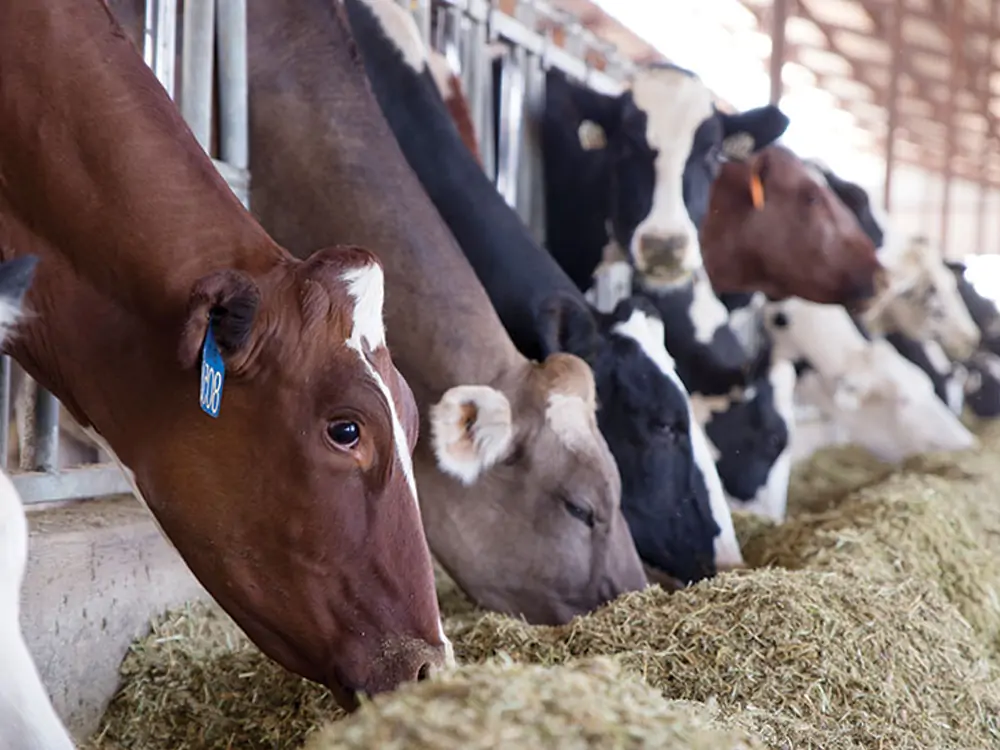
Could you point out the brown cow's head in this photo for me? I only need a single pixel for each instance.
(775, 226)
(308, 530)
(534, 488)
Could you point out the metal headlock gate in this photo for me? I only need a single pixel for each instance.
(209, 26)
(529, 36)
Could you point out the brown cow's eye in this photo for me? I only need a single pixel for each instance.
(344, 434)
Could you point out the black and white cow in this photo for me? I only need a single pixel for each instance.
(612, 188)
(680, 522)
(644, 183)
(927, 303)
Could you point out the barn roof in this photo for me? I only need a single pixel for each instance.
(847, 47)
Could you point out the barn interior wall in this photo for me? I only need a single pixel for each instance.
(917, 199)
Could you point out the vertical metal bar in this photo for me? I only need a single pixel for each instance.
(956, 32)
(421, 10)
(531, 188)
(892, 105)
(234, 123)
(779, 18)
(46, 429)
(483, 69)
(4, 410)
(160, 55)
(196, 68)
(511, 119)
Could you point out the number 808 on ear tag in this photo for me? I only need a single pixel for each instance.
(213, 373)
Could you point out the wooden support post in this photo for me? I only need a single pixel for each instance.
(892, 105)
(778, 19)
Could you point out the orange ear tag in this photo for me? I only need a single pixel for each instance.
(756, 191)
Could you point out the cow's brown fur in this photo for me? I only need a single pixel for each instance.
(326, 167)
(317, 552)
(803, 242)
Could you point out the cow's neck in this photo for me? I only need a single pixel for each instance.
(328, 170)
(99, 168)
(490, 233)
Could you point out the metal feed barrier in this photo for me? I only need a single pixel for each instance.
(205, 23)
(532, 37)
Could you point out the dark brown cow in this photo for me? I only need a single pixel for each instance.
(295, 507)
(519, 493)
(774, 225)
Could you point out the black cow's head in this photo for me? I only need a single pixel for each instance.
(645, 417)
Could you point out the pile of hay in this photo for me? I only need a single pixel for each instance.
(197, 683)
(806, 659)
(871, 621)
(506, 706)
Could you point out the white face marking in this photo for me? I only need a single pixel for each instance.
(675, 104)
(366, 286)
(823, 335)
(707, 311)
(647, 332)
(400, 27)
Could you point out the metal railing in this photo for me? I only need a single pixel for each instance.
(535, 38)
(205, 24)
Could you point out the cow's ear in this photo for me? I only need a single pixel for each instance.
(764, 125)
(223, 303)
(566, 324)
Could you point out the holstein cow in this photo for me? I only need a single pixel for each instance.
(749, 458)
(921, 312)
(620, 190)
(544, 312)
(983, 311)
(28, 720)
(635, 170)
(519, 492)
(864, 390)
(948, 377)
(922, 300)
(292, 499)
(775, 226)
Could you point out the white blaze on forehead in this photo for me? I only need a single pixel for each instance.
(400, 26)
(707, 312)
(366, 286)
(675, 104)
(647, 332)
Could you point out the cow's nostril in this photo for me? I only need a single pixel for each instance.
(424, 672)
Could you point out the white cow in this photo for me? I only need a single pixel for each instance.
(858, 390)
(27, 719)
(922, 300)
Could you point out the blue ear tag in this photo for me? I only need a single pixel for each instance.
(213, 373)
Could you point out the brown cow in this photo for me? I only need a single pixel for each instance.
(295, 507)
(519, 492)
(774, 225)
